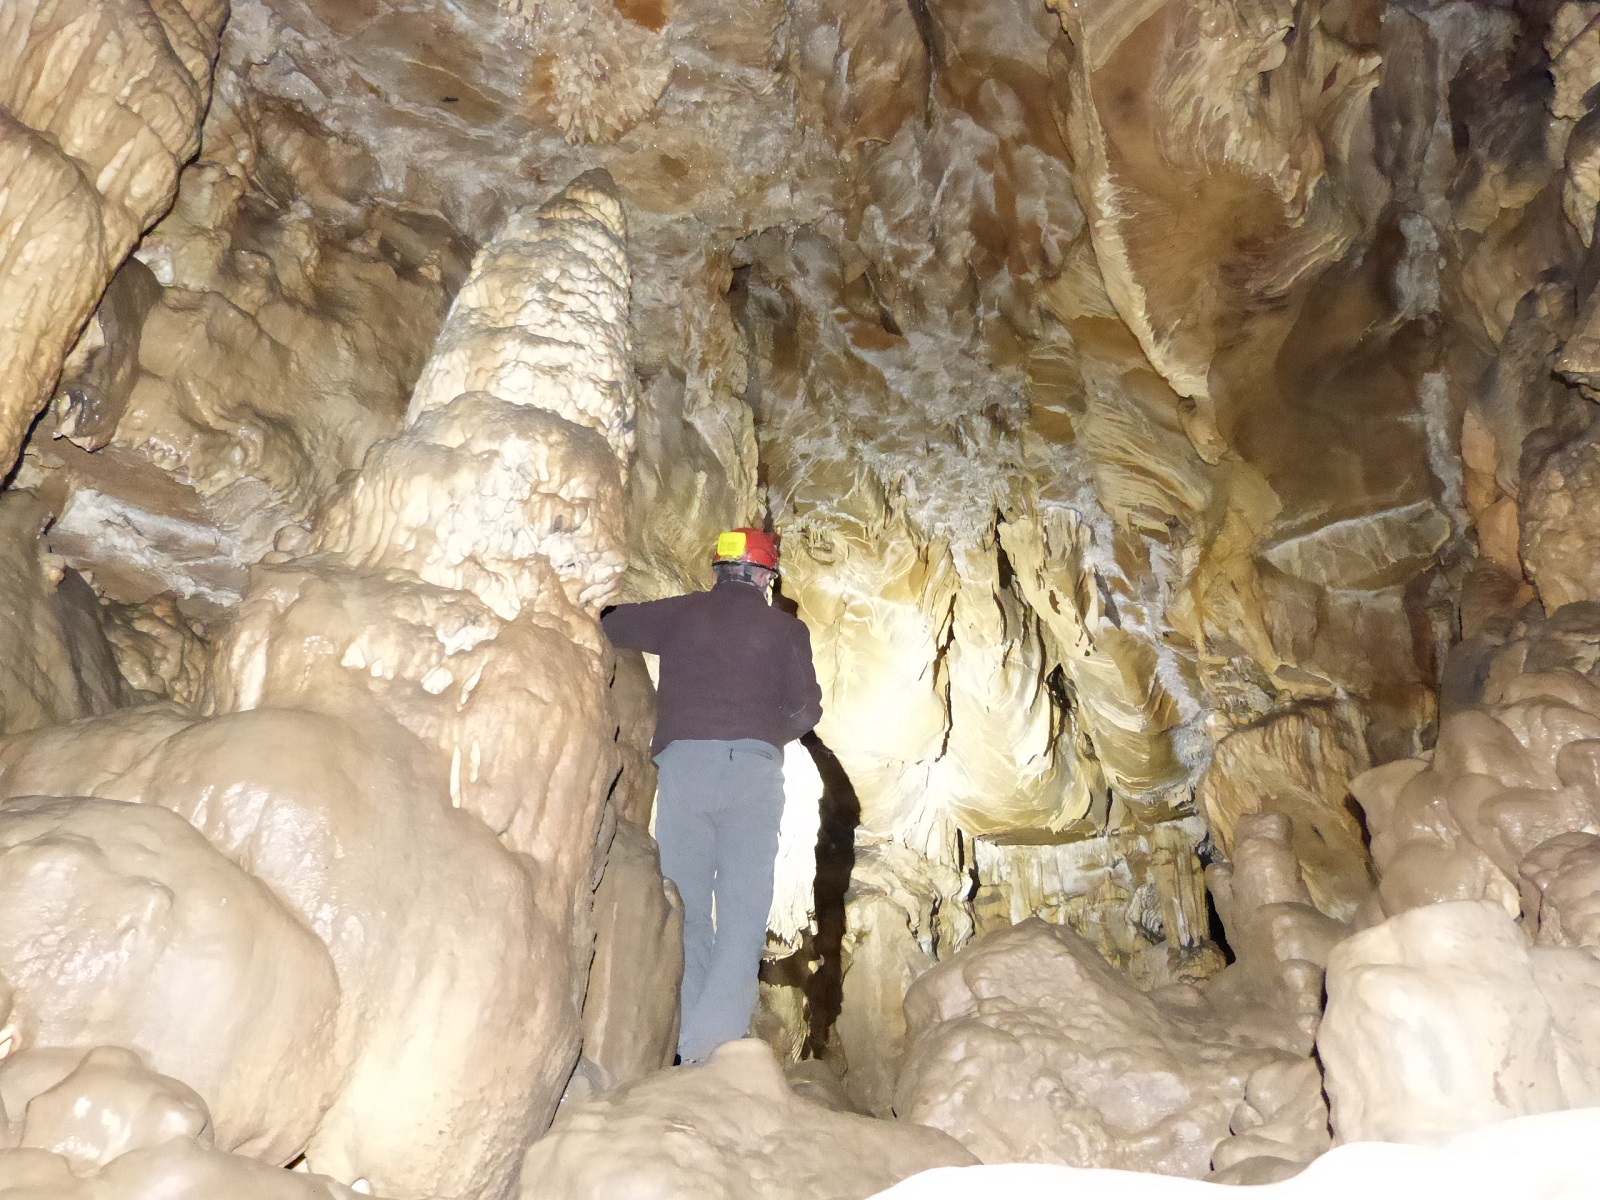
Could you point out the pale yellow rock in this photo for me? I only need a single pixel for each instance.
(102, 107)
(174, 1168)
(1442, 1019)
(141, 915)
(1365, 552)
(542, 319)
(1560, 891)
(106, 1105)
(1580, 192)
(902, 913)
(1106, 370)
(1127, 710)
(728, 1128)
(365, 745)
(1558, 506)
(415, 1067)
(630, 1011)
(1007, 1044)
(1280, 941)
(60, 666)
(474, 494)
(1203, 132)
(319, 636)
(602, 71)
(1298, 764)
(880, 623)
(1137, 894)
(1573, 43)
(1504, 780)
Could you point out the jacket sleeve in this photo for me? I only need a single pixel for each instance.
(804, 695)
(639, 626)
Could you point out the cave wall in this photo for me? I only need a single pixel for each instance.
(1171, 411)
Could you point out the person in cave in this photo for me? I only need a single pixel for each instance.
(736, 684)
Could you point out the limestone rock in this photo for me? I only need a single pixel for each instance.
(178, 1168)
(630, 1011)
(99, 1107)
(729, 1128)
(542, 318)
(103, 105)
(902, 913)
(60, 666)
(141, 914)
(1558, 516)
(1138, 894)
(1281, 941)
(1542, 1158)
(1299, 764)
(326, 762)
(413, 1067)
(1505, 778)
(602, 69)
(139, 534)
(1027, 1046)
(1442, 1019)
(1561, 889)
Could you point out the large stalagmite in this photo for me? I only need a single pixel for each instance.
(370, 715)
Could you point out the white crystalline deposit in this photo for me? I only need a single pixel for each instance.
(1548, 1157)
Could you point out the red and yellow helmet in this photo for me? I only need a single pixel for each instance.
(749, 546)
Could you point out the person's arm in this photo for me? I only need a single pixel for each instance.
(639, 626)
(803, 693)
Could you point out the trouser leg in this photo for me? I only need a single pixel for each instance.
(686, 834)
(747, 845)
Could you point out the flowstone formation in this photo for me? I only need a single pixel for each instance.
(1179, 418)
(356, 851)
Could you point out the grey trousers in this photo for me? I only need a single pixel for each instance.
(718, 806)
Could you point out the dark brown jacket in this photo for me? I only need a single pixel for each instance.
(732, 666)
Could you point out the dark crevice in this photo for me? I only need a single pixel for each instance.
(836, 858)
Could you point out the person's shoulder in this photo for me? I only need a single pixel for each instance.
(790, 623)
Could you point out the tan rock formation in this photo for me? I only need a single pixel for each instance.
(430, 1061)
(1297, 764)
(630, 1009)
(729, 1128)
(103, 1126)
(1443, 1019)
(60, 666)
(902, 913)
(98, 1106)
(326, 767)
(1504, 778)
(1535, 1156)
(1561, 889)
(1138, 895)
(141, 915)
(1281, 941)
(269, 330)
(102, 107)
(172, 1168)
(1558, 510)
(1148, 396)
(1009, 1045)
